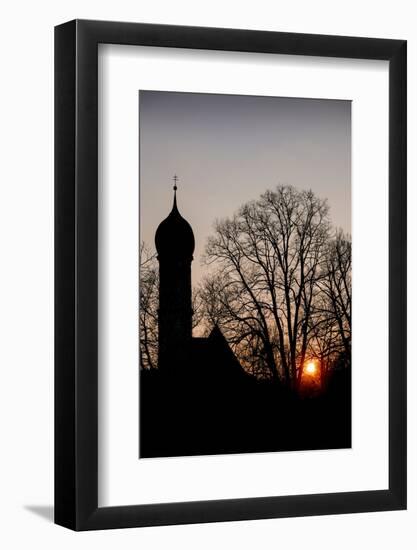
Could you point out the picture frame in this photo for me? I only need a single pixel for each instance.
(76, 271)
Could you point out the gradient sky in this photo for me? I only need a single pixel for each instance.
(228, 149)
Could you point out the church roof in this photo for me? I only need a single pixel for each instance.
(214, 356)
(174, 236)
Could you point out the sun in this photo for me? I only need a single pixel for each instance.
(310, 368)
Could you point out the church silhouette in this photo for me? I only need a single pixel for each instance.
(200, 400)
(178, 351)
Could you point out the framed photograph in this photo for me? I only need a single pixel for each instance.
(230, 254)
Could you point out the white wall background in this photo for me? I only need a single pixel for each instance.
(26, 272)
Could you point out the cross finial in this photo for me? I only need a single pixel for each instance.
(175, 178)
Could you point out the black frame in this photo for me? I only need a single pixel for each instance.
(76, 269)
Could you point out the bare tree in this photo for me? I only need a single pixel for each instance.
(224, 305)
(325, 343)
(270, 259)
(337, 286)
(148, 308)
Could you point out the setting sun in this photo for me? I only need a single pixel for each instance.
(310, 367)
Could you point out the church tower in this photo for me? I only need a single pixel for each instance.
(174, 241)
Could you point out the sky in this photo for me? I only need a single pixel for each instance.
(229, 149)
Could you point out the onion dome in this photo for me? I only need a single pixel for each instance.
(174, 236)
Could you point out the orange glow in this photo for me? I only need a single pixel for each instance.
(311, 368)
